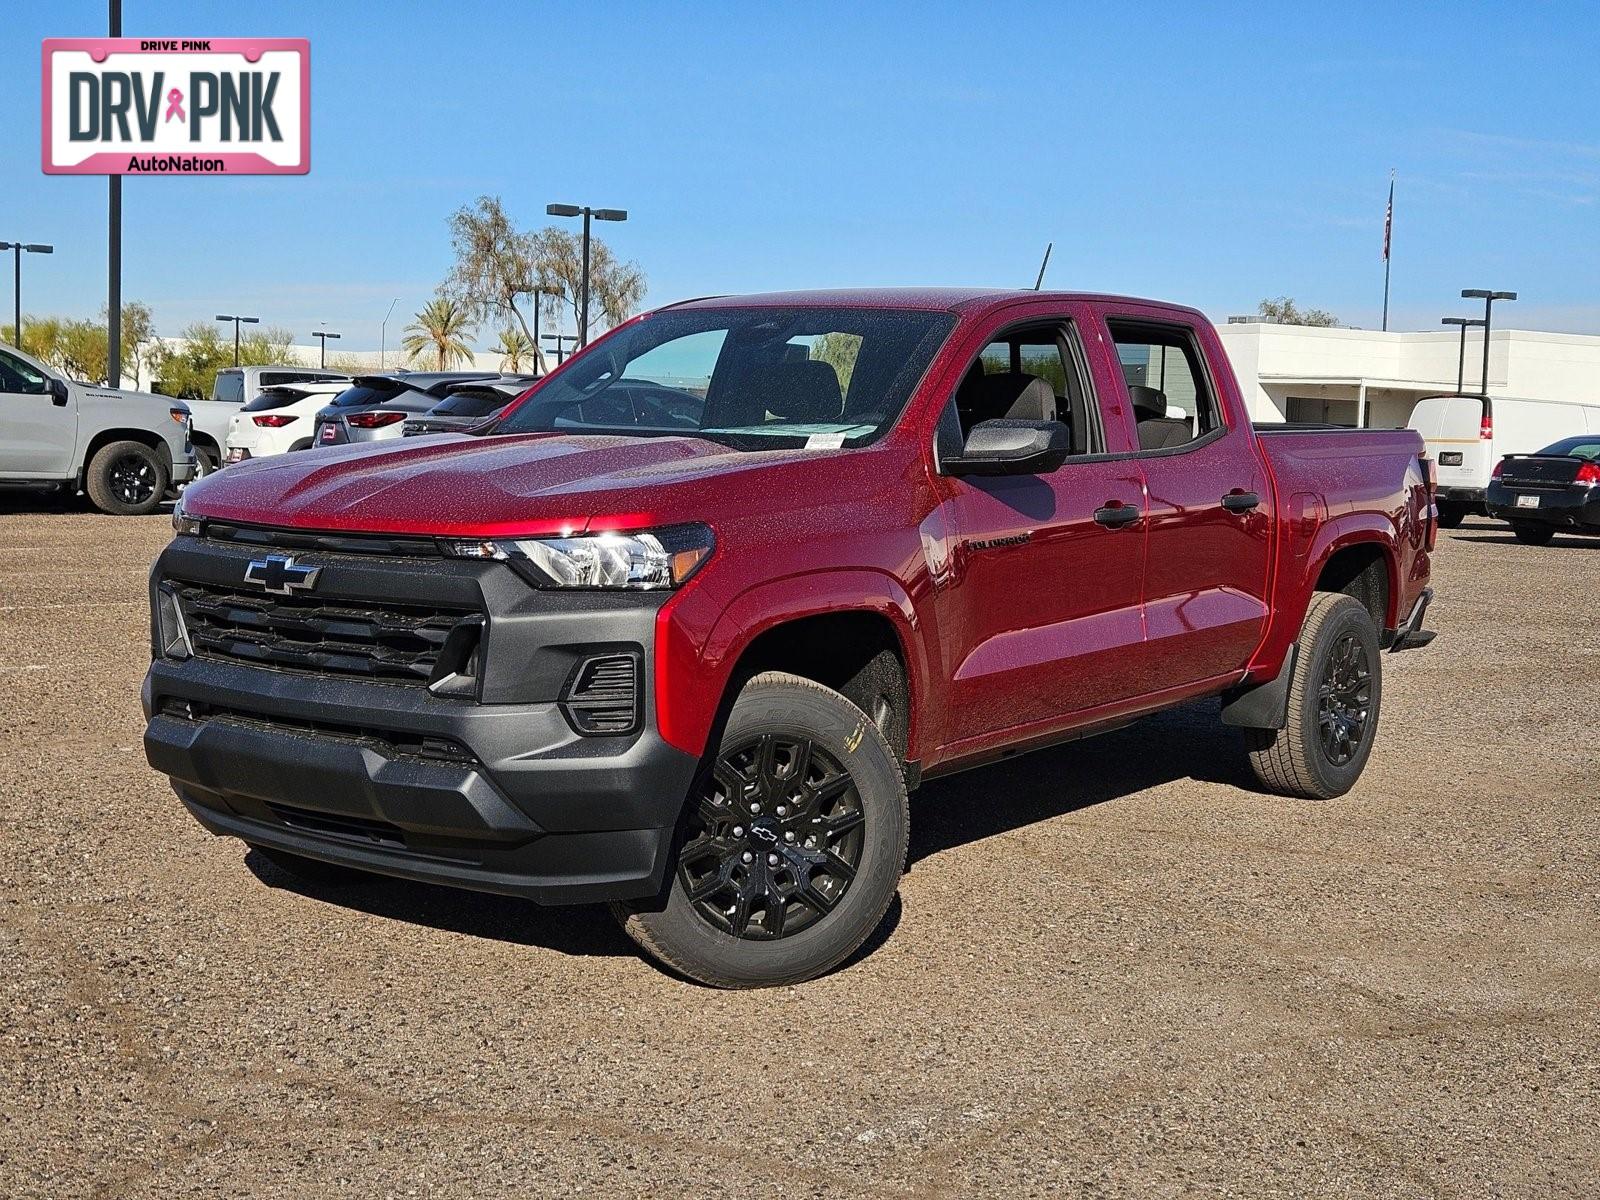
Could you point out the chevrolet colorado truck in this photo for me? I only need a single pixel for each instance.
(125, 449)
(684, 628)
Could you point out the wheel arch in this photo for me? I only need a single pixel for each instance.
(105, 437)
(1357, 555)
(825, 627)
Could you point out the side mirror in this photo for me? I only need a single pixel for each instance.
(1012, 448)
(59, 395)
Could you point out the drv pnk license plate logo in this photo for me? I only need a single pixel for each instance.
(169, 106)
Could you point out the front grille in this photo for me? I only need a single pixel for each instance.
(337, 543)
(603, 695)
(393, 643)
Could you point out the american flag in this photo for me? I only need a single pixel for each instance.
(1388, 219)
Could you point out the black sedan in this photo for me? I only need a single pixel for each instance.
(1556, 490)
(470, 405)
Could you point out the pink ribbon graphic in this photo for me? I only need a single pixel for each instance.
(175, 106)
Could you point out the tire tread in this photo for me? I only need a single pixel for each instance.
(639, 930)
(1279, 757)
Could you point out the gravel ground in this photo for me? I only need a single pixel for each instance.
(1114, 970)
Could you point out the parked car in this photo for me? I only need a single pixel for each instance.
(470, 405)
(374, 407)
(694, 672)
(1467, 435)
(232, 388)
(124, 448)
(1554, 490)
(281, 418)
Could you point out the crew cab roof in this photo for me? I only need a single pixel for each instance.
(967, 301)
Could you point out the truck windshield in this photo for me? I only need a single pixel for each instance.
(753, 378)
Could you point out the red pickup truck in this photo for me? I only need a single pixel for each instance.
(684, 628)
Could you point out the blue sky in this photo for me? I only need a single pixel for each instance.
(1209, 154)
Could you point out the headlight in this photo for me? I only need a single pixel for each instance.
(661, 558)
(182, 522)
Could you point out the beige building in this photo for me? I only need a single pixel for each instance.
(1363, 377)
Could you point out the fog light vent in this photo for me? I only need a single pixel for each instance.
(602, 697)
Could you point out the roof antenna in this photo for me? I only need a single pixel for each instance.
(1039, 282)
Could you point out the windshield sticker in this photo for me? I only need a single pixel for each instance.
(825, 441)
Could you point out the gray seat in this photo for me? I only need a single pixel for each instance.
(1007, 396)
(805, 391)
(1155, 429)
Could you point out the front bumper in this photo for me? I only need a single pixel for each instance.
(1572, 508)
(500, 797)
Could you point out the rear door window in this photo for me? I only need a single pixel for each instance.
(1169, 390)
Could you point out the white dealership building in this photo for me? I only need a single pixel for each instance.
(1364, 377)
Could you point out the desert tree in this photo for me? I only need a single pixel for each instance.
(441, 330)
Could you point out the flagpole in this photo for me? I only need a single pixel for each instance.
(1388, 227)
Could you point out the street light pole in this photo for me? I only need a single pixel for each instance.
(1488, 298)
(113, 250)
(383, 334)
(16, 249)
(539, 293)
(324, 335)
(560, 340)
(236, 322)
(599, 214)
(1461, 358)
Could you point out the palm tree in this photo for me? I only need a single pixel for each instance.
(515, 350)
(441, 329)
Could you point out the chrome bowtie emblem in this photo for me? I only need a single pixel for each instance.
(280, 575)
(765, 834)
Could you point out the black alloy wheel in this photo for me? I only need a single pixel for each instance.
(774, 840)
(1344, 700)
(1334, 704)
(789, 851)
(133, 480)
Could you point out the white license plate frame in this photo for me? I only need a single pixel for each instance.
(1527, 501)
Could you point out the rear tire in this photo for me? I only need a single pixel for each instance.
(206, 462)
(1335, 695)
(1451, 514)
(126, 479)
(309, 870)
(788, 891)
(1532, 535)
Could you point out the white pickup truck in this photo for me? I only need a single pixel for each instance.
(125, 449)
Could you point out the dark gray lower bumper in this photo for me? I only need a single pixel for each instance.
(495, 797)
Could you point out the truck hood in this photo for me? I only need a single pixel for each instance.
(97, 392)
(458, 486)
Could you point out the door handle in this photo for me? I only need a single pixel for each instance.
(1115, 514)
(1239, 502)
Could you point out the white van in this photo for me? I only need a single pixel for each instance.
(1467, 435)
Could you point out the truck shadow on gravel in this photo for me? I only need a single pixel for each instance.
(1185, 743)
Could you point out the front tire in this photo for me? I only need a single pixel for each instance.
(792, 844)
(1533, 535)
(1451, 514)
(126, 479)
(1335, 695)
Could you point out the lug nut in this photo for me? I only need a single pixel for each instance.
(789, 837)
(772, 860)
(748, 857)
(755, 807)
(738, 831)
(783, 810)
